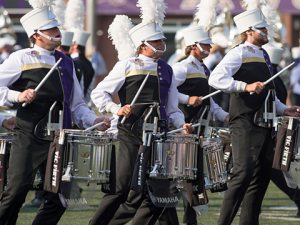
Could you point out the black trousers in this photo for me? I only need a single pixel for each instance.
(127, 211)
(189, 215)
(27, 155)
(278, 179)
(252, 149)
(146, 213)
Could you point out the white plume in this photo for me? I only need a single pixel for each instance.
(40, 3)
(253, 4)
(58, 8)
(206, 13)
(152, 11)
(74, 15)
(118, 32)
(270, 15)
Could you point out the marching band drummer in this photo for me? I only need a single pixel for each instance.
(244, 69)
(125, 79)
(191, 76)
(24, 70)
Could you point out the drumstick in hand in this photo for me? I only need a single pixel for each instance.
(276, 75)
(137, 94)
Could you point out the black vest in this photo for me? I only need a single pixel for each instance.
(244, 105)
(27, 117)
(149, 94)
(87, 69)
(194, 85)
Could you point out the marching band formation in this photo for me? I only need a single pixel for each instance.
(167, 148)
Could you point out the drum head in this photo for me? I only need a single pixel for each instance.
(77, 194)
(164, 193)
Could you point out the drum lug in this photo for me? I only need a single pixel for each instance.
(67, 176)
(107, 172)
(154, 172)
(101, 172)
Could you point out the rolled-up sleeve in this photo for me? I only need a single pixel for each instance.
(10, 71)
(106, 89)
(217, 111)
(175, 116)
(280, 107)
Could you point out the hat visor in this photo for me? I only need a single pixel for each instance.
(50, 25)
(262, 24)
(156, 37)
(208, 41)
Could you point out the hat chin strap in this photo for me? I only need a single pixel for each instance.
(155, 50)
(46, 36)
(258, 31)
(201, 49)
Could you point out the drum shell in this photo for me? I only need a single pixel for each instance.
(176, 157)
(89, 154)
(213, 163)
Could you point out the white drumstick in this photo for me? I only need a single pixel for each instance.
(276, 75)
(45, 78)
(180, 129)
(211, 94)
(137, 94)
(97, 125)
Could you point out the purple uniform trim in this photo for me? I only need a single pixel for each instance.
(268, 61)
(65, 68)
(164, 85)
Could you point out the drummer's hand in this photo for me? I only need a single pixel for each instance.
(293, 111)
(227, 118)
(255, 87)
(27, 96)
(125, 111)
(103, 127)
(9, 124)
(194, 101)
(188, 129)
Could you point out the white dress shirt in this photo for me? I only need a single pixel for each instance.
(295, 79)
(181, 70)
(221, 77)
(102, 94)
(11, 70)
(213, 59)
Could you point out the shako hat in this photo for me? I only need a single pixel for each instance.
(40, 18)
(252, 18)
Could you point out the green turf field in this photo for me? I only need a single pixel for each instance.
(277, 209)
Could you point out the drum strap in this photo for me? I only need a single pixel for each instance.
(140, 169)
(54, 166)
(286, 139)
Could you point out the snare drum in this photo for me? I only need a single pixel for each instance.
(213, 163)
(88, 155)
(175, 157)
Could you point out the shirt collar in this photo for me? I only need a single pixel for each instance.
(44, 51)
(145, 58)
(252, 45)
(196, 61)
(74, 55)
